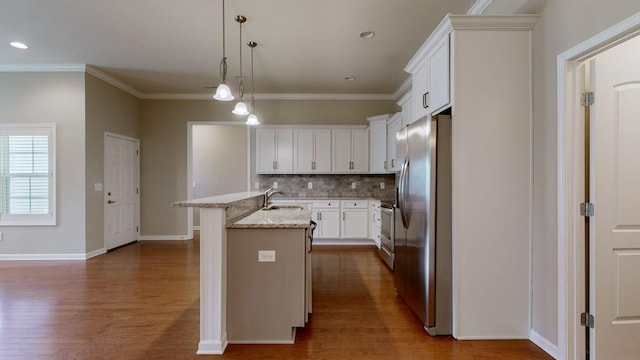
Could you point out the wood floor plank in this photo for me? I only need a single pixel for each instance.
(141, 301)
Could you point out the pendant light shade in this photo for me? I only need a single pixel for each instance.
(241, 108)
(252, 119)
(223, 92)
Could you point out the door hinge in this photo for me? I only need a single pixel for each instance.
(587, 320)
(587, 209)
(137, 191)
(587, 98)
(137, 229)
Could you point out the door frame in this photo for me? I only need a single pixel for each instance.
(570, 178)
(104, 165)
(250, 156)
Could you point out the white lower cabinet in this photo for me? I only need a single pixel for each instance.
(326, 214)
(375, 221)
(355, 219)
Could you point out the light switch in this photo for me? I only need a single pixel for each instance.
(256, 185)
(353, 185)
(381, 185)
(97, 187)
(266, 256)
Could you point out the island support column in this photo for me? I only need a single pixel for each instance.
(213, 281)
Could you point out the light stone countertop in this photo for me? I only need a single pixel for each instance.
(221, 201)
(274, 219)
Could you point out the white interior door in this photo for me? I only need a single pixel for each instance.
(121, 195)
(615, 149)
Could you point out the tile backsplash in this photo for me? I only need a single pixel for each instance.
(297, 186)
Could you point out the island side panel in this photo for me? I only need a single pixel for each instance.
(213, 281)
(266, 300)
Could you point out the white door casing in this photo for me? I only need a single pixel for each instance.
(121, 190)
(570, 342)
(616, 194)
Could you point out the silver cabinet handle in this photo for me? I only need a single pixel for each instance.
(319, 215)
(393, 165)
(343, 216)
(385, 164)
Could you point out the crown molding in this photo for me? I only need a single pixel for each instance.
(403, 89)
(44, 68)
(159, 96)
(113, 81)
(268, 96)
(479, 7)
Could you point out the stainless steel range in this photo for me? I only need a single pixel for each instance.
(387, 246)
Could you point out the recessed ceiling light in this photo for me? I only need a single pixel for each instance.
(19, 45)
(367, 34)
(349, 78)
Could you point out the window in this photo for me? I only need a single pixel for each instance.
(27, 174)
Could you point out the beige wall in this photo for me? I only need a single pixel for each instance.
(107, 109)
(164, 144)
(564, 24)
(51, 98)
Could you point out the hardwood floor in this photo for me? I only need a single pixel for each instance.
(141, 302)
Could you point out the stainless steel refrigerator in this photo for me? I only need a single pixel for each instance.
(422, 273)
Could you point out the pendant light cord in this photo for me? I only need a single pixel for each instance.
(241, 87)
(253, 106)
(223, 62)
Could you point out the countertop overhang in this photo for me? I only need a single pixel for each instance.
(274, 219)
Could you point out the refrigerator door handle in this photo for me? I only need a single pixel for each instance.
(402, 199)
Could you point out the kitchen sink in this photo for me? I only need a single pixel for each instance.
(283, 207)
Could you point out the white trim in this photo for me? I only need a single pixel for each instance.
(164, 237)
(271, 96)
(479, 7)
(95, 253)
(196, 228)
(567, 219)
(21, 257)
(44, 68)
(544, 344)
(350, 242)
(404, 89)
(491, 337)
(113, 81)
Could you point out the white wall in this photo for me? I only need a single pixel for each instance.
(51, 98)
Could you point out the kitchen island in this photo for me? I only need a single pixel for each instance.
(217, 214)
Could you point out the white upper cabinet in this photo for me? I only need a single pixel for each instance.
(393, 126)
(350, 151)
(312, 151)
(438, 65)
(274, 151)
(406, 103)
(378, 144)
(420, 80)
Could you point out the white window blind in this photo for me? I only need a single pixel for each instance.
(27, 174)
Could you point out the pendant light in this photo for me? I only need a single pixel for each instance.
(241, 107)
(223, 92)
(252, 119)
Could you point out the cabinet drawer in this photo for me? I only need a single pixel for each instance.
(325, 204)
(354, 204)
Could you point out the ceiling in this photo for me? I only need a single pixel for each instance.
(168, 48)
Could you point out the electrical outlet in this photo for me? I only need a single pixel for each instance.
(381, 185)
(353, 185)
(266, 256)
(256, 185)
(309, 185)
(275, 185)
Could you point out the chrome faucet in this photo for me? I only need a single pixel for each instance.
(268, 194)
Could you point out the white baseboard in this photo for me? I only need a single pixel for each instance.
(43, 257)
(164, 237)
(359, 242)
(95, 253)
(196, 228)
(492, 337)
(546, 345)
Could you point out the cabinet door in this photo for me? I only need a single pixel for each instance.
(355, 224)
(303, 151)
(360, 151)
(322, 151)
(439, 76)
(330, 219)
(378, 147)
(341, 151)
(284, 151)
(393, 128)
(420, 82)
(265, 151)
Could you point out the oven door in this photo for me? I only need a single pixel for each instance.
(386, 227)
